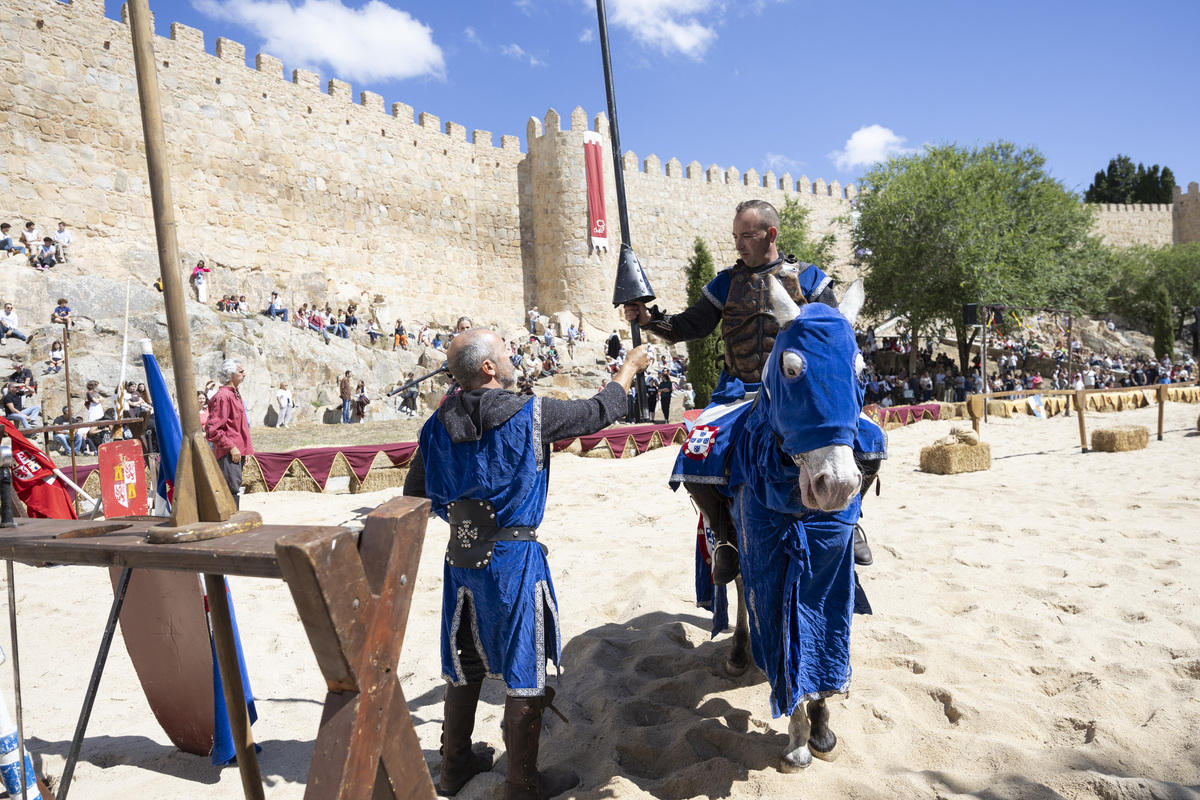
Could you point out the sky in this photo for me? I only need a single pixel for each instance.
(817, 89)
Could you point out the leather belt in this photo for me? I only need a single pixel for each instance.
(474, 533)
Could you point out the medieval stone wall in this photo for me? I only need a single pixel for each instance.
(1187, 214)
(1138, 223)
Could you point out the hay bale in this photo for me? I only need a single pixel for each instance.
(1121, 438)
(951, 459)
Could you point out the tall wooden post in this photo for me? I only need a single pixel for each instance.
(1080, 405)
(201, 495)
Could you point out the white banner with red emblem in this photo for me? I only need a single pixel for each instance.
(593, 159)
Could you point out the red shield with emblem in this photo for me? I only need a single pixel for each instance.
(700, 443)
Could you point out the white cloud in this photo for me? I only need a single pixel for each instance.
(373, 42)
(669, 25)
(868, 145)
(525, 6)
(515, 51)
(776, 162)
(587, 35)
(474, 39)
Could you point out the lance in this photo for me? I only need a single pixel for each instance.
(632, 284)
(415, 381)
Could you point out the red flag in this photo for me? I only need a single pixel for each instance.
(43, 494)
(593, 159)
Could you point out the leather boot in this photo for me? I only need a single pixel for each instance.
(862, 550)
(522, 729)
(460, 762)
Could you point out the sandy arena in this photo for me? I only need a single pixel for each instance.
(1035, 636)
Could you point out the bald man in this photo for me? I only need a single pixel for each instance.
(484, 461)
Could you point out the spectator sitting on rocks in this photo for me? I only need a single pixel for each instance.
(400, 336)
(56, 358)
(63, 437)
(437, 342)
(373, 331)
(61, 315)
(351, 322)
(223, 303)
(44, 257)
(22, 374)
(8, 325)
(332, 325)
(14, 408)
(62, 243)
(316, 322)
(6, 243)
(275, 308)
(30, 240)
(301, 318)
(243, 306)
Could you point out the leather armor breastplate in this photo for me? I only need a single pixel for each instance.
(748, 321)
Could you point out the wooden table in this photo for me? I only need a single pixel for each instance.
(353, 592)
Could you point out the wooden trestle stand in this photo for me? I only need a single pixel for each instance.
(353, 596)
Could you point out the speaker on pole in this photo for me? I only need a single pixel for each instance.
(971, 314)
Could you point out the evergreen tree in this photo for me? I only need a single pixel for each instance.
(795, 236)
(702, 368)
(1124, 183)
(1164, 331)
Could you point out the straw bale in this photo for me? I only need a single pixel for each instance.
(601, 450)
(1000, 408)
(1121, 438)
(252, 477)
(951, 459)
(381, 475)
(575, 448)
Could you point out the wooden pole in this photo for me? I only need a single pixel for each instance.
(158, 170)
(200, 492)
(983, 354)
(1080, 405)
(1070, 381)
(70, 415)
(1162, 408)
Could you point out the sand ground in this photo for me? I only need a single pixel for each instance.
(1036, 635)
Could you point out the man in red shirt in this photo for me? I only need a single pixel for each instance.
(228, 427)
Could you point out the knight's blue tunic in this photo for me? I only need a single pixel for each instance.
(797, 564)
(509, 605)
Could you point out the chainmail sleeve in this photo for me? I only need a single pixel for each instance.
(699, 320)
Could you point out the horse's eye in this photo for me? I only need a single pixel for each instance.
(793, 364)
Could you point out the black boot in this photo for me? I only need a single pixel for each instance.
(862, 550)
(522, 729)
(460, 763)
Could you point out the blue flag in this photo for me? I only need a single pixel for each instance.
(170, 441)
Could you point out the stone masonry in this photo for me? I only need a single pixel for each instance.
(328, 195)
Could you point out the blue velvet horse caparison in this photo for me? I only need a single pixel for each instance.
(797, 563)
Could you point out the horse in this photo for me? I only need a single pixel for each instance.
(795, 499)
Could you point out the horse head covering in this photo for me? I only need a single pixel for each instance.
(813, 380)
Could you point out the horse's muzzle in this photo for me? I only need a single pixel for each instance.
(829, 477)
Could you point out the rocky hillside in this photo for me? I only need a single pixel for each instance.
(270, 350)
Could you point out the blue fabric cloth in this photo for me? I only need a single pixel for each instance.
(798, 564)
(509, 605)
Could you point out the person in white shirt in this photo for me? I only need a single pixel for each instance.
(30, 239)
(8, 325)
(62, 243)
(287, 408)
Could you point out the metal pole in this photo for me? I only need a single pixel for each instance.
(89, 699)
(16, 662)
(987, 318)
(641, 413)
(164, 216)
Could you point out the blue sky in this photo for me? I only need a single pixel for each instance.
(810, 88)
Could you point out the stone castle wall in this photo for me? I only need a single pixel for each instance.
(1138, 223)
(1187, 214)
(328, 195)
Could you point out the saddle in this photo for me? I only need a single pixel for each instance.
(474, 533)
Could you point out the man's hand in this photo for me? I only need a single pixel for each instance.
(636, 360)
(636, 312)
(235, 455)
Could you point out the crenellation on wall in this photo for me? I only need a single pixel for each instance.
(481, 138)
(1121, 225)
(674, 168)
(1185, 214)
(403, 113)
(456, 132)
(768, 180)
(600, 123)
(804, 185)
(371, 101)
(533, 129)
(189, 37)
(553, 122)
(695, 172)
(579, 119)
(713, 174)
(652, 166)
(629, 161)
(511, 143)
(732, 176)
(229, 50)
(340, 90)
(786, 183)
(300, 77)
(750, 178)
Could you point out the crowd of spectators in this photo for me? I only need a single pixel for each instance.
(41, 252)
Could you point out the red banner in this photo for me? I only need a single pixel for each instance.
(123, 479)
(593, 159)
(43, 494)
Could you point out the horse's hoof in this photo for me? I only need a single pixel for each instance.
(829, 754)
(795, 761)
(735, 669)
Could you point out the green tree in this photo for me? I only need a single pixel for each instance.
(951, 225)
(702, 371)
(1164, 330)
(1124, 183)
(795, 235)
(1138, 272)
